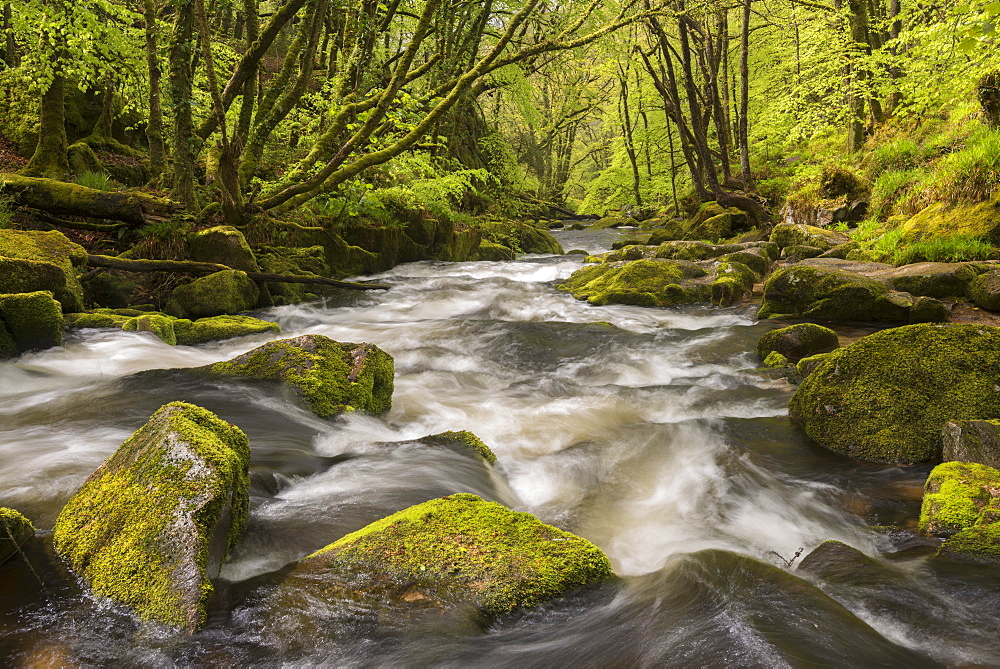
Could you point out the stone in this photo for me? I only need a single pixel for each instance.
(733, 282)
(649, 283)
(671, 230)
(933, 279)
(226, 292)
(31, 261)
(929, 310)
(756, 258)
(972, 441)
(840, 250)
(775, 359)
(798, 341)
(836, 562)
(803, 291)
(453, 553)
(224, 245)
(984, 290)
(150, 528)
(614, 221)
(808, 365)
(797, 234)
(799, 252)
(520, 237)
(495, 252)
(887, 397)
(192, 333)
(330, 377)
(462, 441)
(29, 322)
(15, 531)
(962, 503)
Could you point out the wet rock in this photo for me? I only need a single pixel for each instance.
(578, 252)
(490, 251)
(649, 283)
(622, 243)
(461, 441)
(192, 333)
(151, 527)
(796, 234)
(614, 221)
(830, 294)
(756, 258)
(799, 252)
(887, 397)
(32, 261)
(836, 562)
(159, 325)
(29, 322)
(671, 230)
(928, 310)
(454, 553)
(972, 441)
(227, 292)
(733, 282)
(224, 245)
(962, 502)
(172, 330)
(520, 237)
(798, 341)
(984, 290)
(15, 531)
(330, 377)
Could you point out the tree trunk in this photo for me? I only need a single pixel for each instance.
(183, 55)
(10, 46)
(50, 158)
(744, 129)
(154, 128)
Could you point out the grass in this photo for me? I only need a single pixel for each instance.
(944, 249)
(96, 180)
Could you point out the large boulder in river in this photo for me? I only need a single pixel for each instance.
(29, 322)
(152, 525)
(520, 237)
(331, 377)
(887, 397)
(15, 531)
(962, 502)
(224, 245)
(798, 341)
(972, 441)
(31, 261)
(226, 292)
(457, 553)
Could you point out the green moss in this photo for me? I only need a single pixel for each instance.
(672, 230)
(613, 222)
(172, 330)
(140, 530)
(798, 341)
(224, 245)
(630, 252)
(461, 549)
(220, 327)
(887, 397)
(756, 259)
(829, 294)
(713, 228)
(97, 319)
(30, 321)
(520, 237)
(331, 377)
(775, 359)
(733, 282)
(959, 495)
(469, 441)
(942, 219)
(929, 310)
(808, 365)
(226, 292)
(936, 279)
(309, 261)
(974, 544)
(641, 283)
(159, 325)
(799, 252)
(41, 248)
(797, 234)
(491, 251)
(984, 290)
(15, 531)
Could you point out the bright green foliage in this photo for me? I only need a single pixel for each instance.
(958, 495)
(331, 377)
(458, 550)
(887, 397)
(140, 530)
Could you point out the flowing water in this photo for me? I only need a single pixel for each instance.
(643, 430)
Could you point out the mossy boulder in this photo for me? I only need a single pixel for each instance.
(798, 341)
(775, 360)
(31, 261)
(192, 333)
(15, 531)
(462, 441)
(798, 234)
(984, 290)
(490, 251)
(756, 258)
(456, 552)
(715, 227)
(29, 322)
(159, 325)
(803, 291)
(942, 219)
(933, 279)
(520, 237)
(226, 292)
(309, 261)
(887, 397)
(962, 503)
(671, 231)
(733, 282)
(972, 441)
(808, 365)
(799, 252)
(172, 330)
(224, 245)
(330, 377)
(152, 525)
(928, 310)
(841, 251)
(614, 221)
(649, 283)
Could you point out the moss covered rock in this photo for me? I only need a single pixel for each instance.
(972, 441)
(614, 221)
(958, 495)
(887, 397)
(808, 365)
(172, 330)
(520, 237)
(456, 552)
(713, 228)
(491, 251)
(31, 261)
(152, 525)
(15, 531)
(191, 333)
(984, 290)
(330, 377)
(649, 283)
(29, 322)
(224, 245)
(798, 341)
(934, 279)
(756, 258)
(159, 325)
(310, 261)
(226, 292)
(942, 219)
(798, 234)
(802, 291)
(775, 360)
(671, 231)
(799, 252)
(733, 282)
(463, 441)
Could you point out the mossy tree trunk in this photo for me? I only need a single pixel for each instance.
(50, 158)
(154, 127)
(183, 58)
(9, 46)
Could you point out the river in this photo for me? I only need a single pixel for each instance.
(643, 430)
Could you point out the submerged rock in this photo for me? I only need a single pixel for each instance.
(887, 397)
(962, 502)
(29, 322)
(838, 563)
(226, 292)
(798, 341)
(972, 441)
(15, 531)
(462, 441)
(152, 525)
(330, 377)
(454, 553)
(32, 261)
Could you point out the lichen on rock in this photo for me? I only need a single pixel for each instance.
(330, 377)
(150, 527)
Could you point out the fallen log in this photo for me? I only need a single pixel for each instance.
(560, 210)
(191, 267)
(68, 199)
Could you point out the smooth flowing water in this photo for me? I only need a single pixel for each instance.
(643, 430)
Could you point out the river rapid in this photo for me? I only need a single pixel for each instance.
(643, 430)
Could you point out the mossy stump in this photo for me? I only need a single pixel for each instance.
(152, 525)
(29, 322)
(798, 341)
(330, 377)
(456, 552)
(15, 531)
(887, 397)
